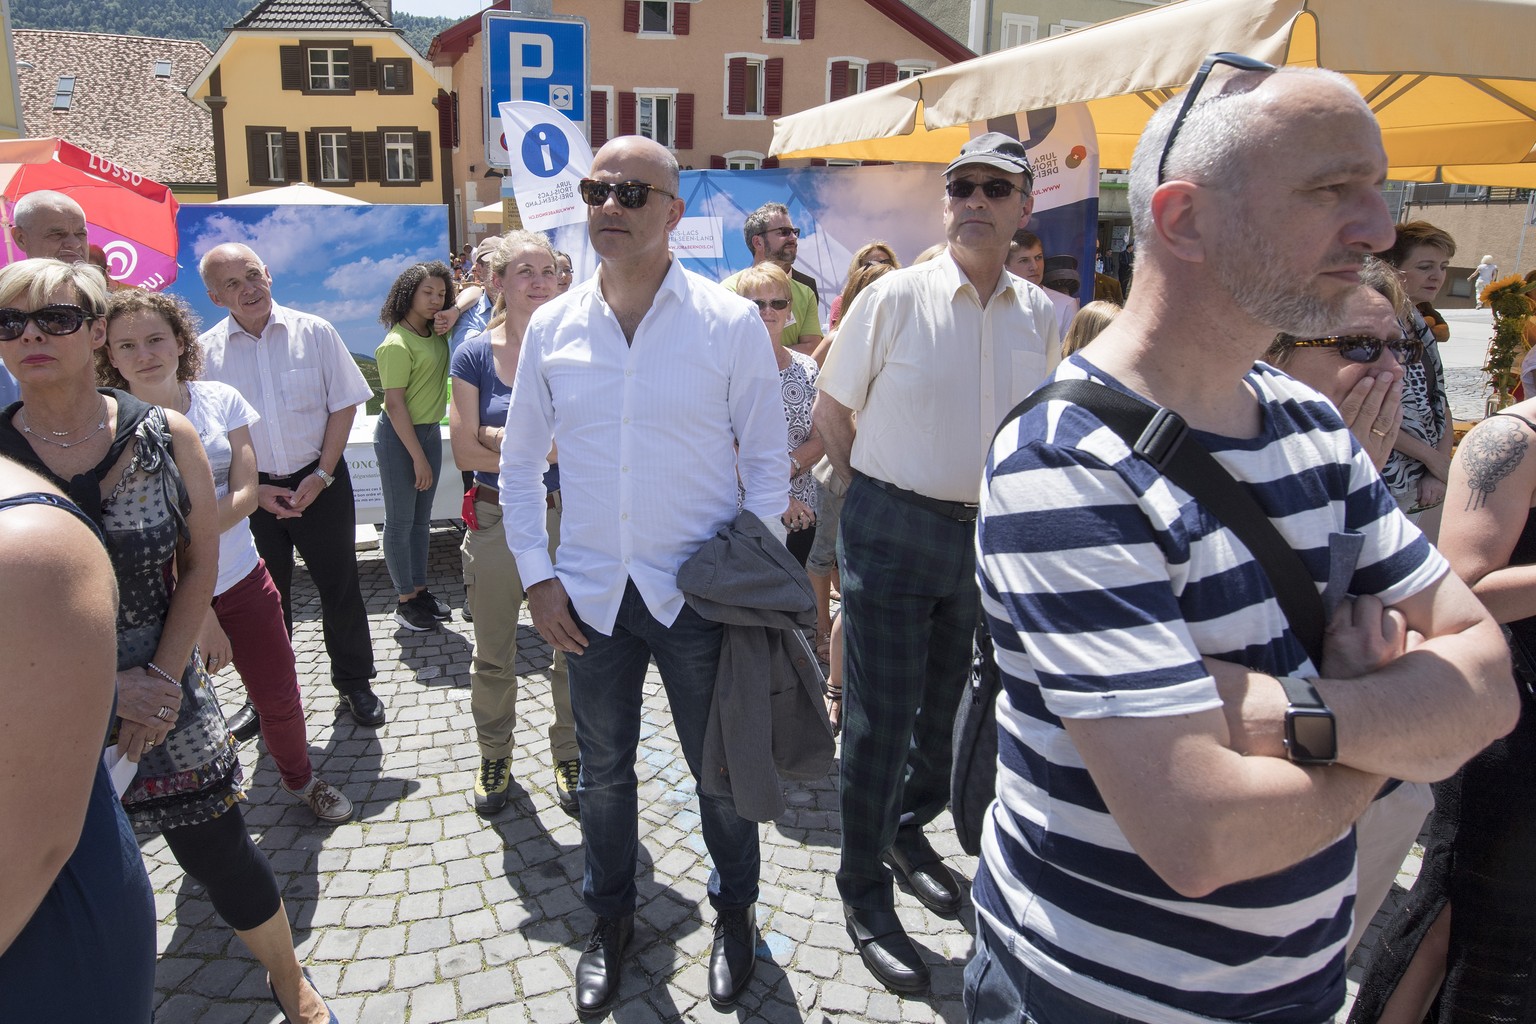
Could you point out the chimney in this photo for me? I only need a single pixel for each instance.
(384, 9)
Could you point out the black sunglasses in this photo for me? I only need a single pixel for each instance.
(1232, 60)
(1362, 348)
(59, 319)
(763, 304)
(992, 188)
(792, 232)
(632, 194)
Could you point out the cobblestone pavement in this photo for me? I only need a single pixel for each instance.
(418, 911)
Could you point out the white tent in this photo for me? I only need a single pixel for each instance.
(300, 194)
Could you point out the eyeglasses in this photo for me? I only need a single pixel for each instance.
(873, 261)
(631, 194)
(791, 232)
(779, 304)
(992, 188)
(58, 319)
(1233, 60)
(1362, 348)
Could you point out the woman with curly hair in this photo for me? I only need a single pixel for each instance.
(413, 370)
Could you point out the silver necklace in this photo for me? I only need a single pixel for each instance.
(26, 426)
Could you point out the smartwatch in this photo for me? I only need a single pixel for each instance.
(1311, 735)
(325, 477)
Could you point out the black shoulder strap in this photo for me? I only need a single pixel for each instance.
(1162, 438)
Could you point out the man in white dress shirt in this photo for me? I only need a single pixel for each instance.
(295, 369)
(647, 377)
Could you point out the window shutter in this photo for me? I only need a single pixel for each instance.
(775, 19)
(626, 113)
(807, 26)
(255, 146)
(374, 146)
(291, 167)
(770, 163)
(597, 125)
(817, 161)
(881, 73)
(736, 86)
(312, 154)
(631, 15)
(364, 74)
(773, 87)
(680, 15)
(838, 88)
(423, 156)
(291, 60)
(717, 163)
(357, 157)
(447, 122)
(682, 136)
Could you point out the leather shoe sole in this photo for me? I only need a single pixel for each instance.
(886, 950)
(364, 707)
(245, 724)
(931, 882)
(600, 969)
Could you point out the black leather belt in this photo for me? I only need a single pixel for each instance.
(959, 511)
(273, 478)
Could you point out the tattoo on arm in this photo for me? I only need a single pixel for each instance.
(1492, 453)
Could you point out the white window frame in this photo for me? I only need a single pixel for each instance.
(330, 80)
(853, 62)
(64, 92)
(906, 69)
(792, 15)
(1065, 25)
(163, 68)
(390, 69)
(1466, 192)
(843, 162)
(337, 146)
(671, 6)
(743, 160)
(670, 95)
(760, 60)
(273, 147)
(609, 120)
(1017, 29)
(402, 146)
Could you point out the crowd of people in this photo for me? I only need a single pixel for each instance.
(1212, 760)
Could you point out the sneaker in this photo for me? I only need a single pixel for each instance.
(491, 785)
(328, 802)
(439, 609)
(567, 778)
(415, 616)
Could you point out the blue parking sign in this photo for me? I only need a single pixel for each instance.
(542, 60)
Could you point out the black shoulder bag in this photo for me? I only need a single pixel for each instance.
(1162, 438)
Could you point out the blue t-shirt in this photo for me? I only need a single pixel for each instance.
(473, 363)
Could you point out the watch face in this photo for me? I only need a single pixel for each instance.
(1311, 736)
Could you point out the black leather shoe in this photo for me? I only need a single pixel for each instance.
(364, 707)
(598, 970)
(918, 864)
(245, 724)
(733, 957)
(887, 952)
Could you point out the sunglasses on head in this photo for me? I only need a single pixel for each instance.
(780, 304)
(631, 194)
(1231, 60)
(992, 188)
(1362, 348)
(59, 319)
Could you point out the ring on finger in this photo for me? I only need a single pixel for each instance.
(165, 713)
(1378, 433)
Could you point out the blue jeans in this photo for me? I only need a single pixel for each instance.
(407, 511)
(1000, 990)
(606, 697)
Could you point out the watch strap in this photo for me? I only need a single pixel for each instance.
(1301, 693)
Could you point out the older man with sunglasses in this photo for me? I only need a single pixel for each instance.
(1172, 838)
(930, 358)
(657, 386)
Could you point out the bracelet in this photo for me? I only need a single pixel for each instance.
(162, 673)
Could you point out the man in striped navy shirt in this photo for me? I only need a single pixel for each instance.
(1156, 852)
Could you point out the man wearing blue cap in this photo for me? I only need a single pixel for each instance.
(930, 358)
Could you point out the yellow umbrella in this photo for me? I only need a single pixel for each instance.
(1450, 80)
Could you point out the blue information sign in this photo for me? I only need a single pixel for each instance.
(544, 60)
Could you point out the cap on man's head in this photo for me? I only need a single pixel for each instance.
(1061, 270)
(486, 247)
(994, 149)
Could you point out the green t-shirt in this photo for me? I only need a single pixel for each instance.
(420, 365)
(802, 302)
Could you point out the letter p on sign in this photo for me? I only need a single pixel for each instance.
(533, 58)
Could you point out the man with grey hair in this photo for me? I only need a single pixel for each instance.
(50, 225)
(1172, 835)
(773, 238)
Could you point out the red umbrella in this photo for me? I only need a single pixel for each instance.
(131, 218)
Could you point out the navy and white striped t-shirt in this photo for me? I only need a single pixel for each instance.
(1104, 585)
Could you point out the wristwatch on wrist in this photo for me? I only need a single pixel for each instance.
(325, 477)
(1311, 734)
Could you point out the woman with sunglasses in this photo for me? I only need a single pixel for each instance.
(527, 277)
(408, 440)
(139, 471)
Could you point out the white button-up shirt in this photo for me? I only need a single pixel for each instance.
(648, 435)
(931, 372)
(296, 374)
